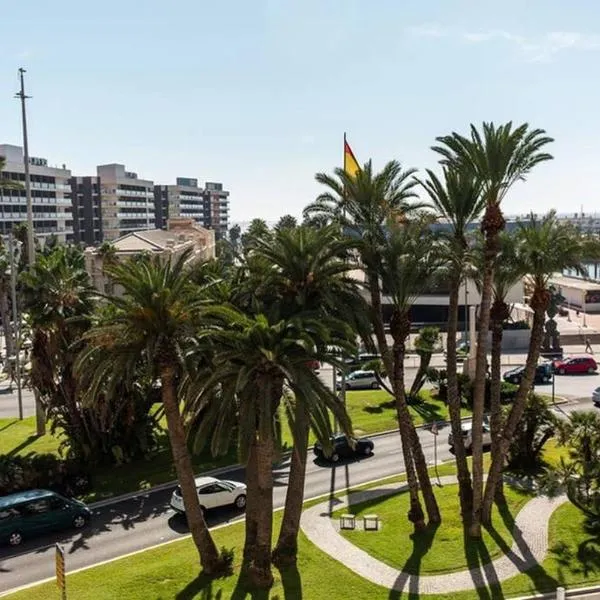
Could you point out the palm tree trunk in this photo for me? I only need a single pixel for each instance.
(495, 405)
(209, 555)
(398, 326)
(539, 302)
(259, 513)
(286, 550)
(465, 490)
(491, 249)
(5, 316)
(378, 328)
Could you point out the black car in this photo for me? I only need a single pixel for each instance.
(543, 374)
(356, 362)
(343, 448)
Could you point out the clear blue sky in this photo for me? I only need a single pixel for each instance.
(258, 94)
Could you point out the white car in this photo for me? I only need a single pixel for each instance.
(467, 429)
(213, 493)
(596, 396)
(360, 380)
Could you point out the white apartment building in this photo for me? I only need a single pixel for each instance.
(50, 195)
(127, 202)
(184, 199)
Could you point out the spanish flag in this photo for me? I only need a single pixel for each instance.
(351, 165)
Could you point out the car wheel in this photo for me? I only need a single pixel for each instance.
(240, 501)
(79, 521)
(374, 385)
(367, 451)
(15, 538)
(561, 371)
(591, 370)
(335, 457)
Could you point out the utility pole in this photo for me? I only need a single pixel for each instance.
(30, 234)
(40, 417)
(16, 322)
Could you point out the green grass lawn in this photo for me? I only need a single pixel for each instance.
(171, 571)
(18, 438)
(434, 550)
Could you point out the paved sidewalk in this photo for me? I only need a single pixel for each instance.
(529, 548)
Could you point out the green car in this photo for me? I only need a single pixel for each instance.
(35, 512)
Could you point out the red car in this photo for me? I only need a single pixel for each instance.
(575, 364)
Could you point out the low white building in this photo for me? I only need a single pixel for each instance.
(181, 234)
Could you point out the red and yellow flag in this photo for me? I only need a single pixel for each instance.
(351, 165)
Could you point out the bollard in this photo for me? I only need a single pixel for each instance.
(560, 593)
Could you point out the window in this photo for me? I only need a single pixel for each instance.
(57, 503)
(8, 513)
(210, 489)
(37, 507)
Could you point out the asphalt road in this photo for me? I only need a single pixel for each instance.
(147, 520)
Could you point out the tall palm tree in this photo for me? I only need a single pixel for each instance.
(253, 358)
(456, 199)
(411, 259)
(497, 157)
(307, 273)
(364, 205)
(508, 271)
(544, 246)
(154, 321)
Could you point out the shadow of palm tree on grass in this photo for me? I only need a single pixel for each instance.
(422, 543)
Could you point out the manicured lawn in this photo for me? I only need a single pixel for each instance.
(18, 437)
(433, 550)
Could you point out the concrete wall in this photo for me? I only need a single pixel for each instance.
(513, 339)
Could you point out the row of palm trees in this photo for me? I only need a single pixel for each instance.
(232, 346)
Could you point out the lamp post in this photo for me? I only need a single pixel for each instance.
(583, 307)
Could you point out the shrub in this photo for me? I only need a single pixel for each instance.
(47, 471)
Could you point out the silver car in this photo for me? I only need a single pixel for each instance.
(467, 430)
(360, 380)
(596, 396)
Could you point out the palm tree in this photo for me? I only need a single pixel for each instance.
(544, 247)
(458, 200)
(154, 321)
(497, 158)
(308, 274)
(364, 205)
(5, 266)
(57, 299)
(253, 358)
(411, 259)
(508, 271)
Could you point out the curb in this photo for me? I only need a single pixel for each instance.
(574, 593)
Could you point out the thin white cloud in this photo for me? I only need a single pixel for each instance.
(539, 48)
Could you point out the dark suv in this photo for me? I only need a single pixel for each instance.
(543, 374)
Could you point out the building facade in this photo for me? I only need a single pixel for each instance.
(216, 209)
(180, 235)
(208, 206)
(127, 202)
(87, 210)
(50, 195)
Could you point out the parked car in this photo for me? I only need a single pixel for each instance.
(575, 364)
(467, 430)
(34, 512)
(356, 362)
(345, 448)
(543, 374)
(315, 365)
(596, 396)
(360, 380)
(213, 493)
